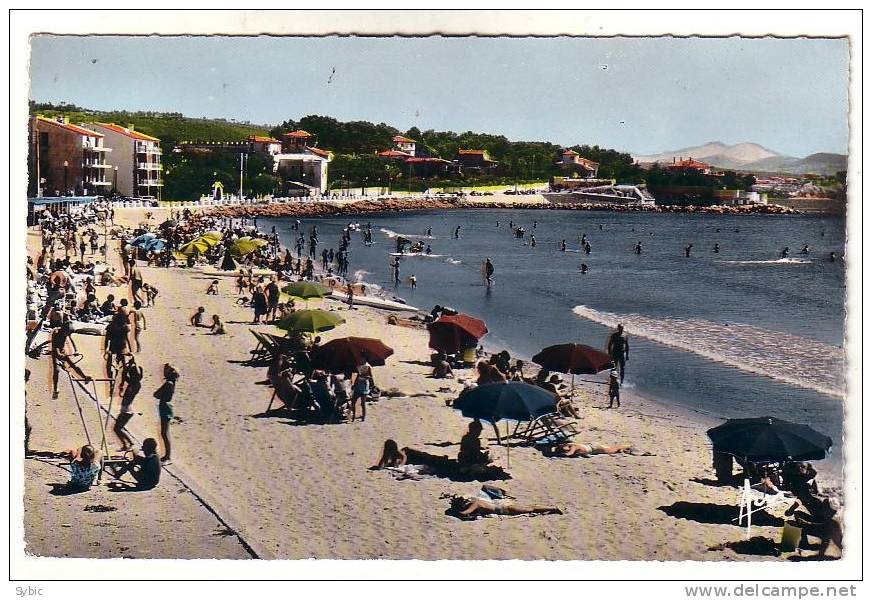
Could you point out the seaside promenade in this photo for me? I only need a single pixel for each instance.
(295, 491)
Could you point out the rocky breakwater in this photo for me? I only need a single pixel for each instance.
(392, 205)
(329, 209)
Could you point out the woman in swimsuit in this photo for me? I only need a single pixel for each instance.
(473, 507)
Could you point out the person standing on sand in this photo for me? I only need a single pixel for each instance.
(614, 389)
(135, 280)
(619, 349)
(273, 294)
(131, 383)
(164, 395)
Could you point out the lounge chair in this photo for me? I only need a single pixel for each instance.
(264, 351)
(752, 499)
(550, 428)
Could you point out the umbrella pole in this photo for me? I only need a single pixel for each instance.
(508, 464)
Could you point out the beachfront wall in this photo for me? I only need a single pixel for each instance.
(54, 142)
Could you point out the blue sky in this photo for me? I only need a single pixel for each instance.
(642, 95)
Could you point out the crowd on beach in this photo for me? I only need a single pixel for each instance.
(62, 301)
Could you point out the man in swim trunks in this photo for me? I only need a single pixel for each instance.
(619, 349)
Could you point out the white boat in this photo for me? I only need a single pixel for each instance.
(373, 301)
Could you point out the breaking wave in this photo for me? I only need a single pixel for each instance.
(780, 261)
(393, 234)
(785, 357)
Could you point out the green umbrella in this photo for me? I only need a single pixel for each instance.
(310, 321)
(246, 245)
(213, 235)
(209, 241)
(194, 247)
(306, 290)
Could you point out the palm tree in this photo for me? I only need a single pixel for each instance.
(391, 171)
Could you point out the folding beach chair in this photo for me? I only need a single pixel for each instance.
(264, 351)
(550, 428)
(752, 500)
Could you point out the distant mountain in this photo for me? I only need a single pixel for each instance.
(749, 156)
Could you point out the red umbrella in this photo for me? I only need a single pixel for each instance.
(576, 359)
(455, 333)
(342, 354)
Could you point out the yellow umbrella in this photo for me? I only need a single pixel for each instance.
(194, 247)
(213, 235)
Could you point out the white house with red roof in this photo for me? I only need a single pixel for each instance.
(66, 159)
(264, 144)
(404, 144)
(300, 165)
(572, 161)
(136, 160)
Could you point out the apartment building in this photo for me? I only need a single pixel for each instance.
(136, 160)
(66, 159)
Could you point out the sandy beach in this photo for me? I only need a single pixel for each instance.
(243, 483)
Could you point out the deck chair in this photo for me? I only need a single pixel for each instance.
(752, 500)
(550, 428)
(264, 351)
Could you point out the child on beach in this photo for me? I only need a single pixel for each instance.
(84, 466)
(212, 290)
(150, 293)
(217, 326)
(164, 394)
(614, 389)
(197, 318)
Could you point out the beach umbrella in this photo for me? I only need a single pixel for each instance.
(142, 239)
(506, 401)
(509, 400)
(455, 333)
(246, 245)
(153, 245)
(310, 321)
(573, 359)
(213, 235)
(767, 439)
(342, 354)
(194, 247)
(306, 290)
(576, 359)
(209, 241)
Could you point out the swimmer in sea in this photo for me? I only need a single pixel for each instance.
(430, 231)
(583, 239)
(534, 224)
(583, 269)
(785, 253)
(804, 249)
(563, 246)
(532, 241)
(498, 223)
(587, 248)
(489, 271)
(717, 248)
(687, 250)
(638, 248)
(832, 257)
(457, 232)
(428, 250)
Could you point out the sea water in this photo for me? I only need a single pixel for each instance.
(738, 333)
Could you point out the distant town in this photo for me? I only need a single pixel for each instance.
(75, 152)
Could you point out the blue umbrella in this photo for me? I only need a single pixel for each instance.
(512, 401)
(142, 239)
(153, 245)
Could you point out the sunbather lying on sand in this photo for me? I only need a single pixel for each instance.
(571, 449)
(472, 507)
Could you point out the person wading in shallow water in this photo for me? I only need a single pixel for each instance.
(619, 349)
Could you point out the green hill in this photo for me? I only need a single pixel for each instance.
(171, 128)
